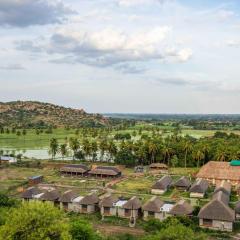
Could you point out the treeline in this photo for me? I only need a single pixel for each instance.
(144, 148)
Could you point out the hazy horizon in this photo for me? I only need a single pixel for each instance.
(122, 56)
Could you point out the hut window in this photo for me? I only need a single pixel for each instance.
(207, 222)
(151, 213)
(107, 210)
(84, 207)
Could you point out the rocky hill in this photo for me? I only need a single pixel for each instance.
(31, 114)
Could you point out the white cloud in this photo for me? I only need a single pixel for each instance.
(110, 46)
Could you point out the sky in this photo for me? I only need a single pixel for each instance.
(122, 56)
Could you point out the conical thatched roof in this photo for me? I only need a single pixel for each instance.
(153, 205)
(108, 201)
(163, 183)
(68, 196)
(30, 192)
(181, 208)
(90, 199)
(51, 195)
(199, 186)
(183, 182)
(134, 203)
(217, 210)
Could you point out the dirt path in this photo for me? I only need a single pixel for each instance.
(111, 229)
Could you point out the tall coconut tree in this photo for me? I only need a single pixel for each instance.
(53, 147)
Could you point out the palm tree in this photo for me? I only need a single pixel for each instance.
(63, 150)
(152, 150)
(198, 155)
(74, 145)
(187, 148)
(53, 147)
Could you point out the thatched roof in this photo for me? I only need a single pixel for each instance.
(158, 166)
(30, 192)
(153, 205)
(68, 196)
(134, 203)
(108, 201)
(183, 182)
(51, 195)
(199, 186)
(224, 186)
(237, 207)
(221, 196)
(105, 170)
(219, 171)
(181, 208)
(217, 210)
(163, 183)
(90, 199)
(74, 168)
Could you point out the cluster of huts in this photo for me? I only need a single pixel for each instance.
(83, 170)
(109, 205)
(216, 214)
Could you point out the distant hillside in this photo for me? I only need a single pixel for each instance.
(31, 114)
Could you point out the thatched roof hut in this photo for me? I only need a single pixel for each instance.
(30, 192)
(158, 166)
(132, 204)
(216, 209)
(74, 168)
(153, 205)
(105, 171)
(199, 186)
(90, 199)
(51, 195)
(108, 201)
(217, 171)
(183, 182)
(163, 183)
(181, 208)
(68, 196)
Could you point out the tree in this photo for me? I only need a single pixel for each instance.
(74, 145)
(82, 230)
(53, 147)
(187, 149)
(35, 221)
(63, 150)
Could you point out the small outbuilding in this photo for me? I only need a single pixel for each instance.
(105, 171)
(34, 180)
(130, 209)
(89, 203)
(66, 199)
(159, 167)
(181, 208)
(183, 183)
(162, 185)
(152, 209)
(217, 214)
(108, 206)
(74, 170)
(199, 188)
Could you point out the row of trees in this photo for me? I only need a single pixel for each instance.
(175, 150)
